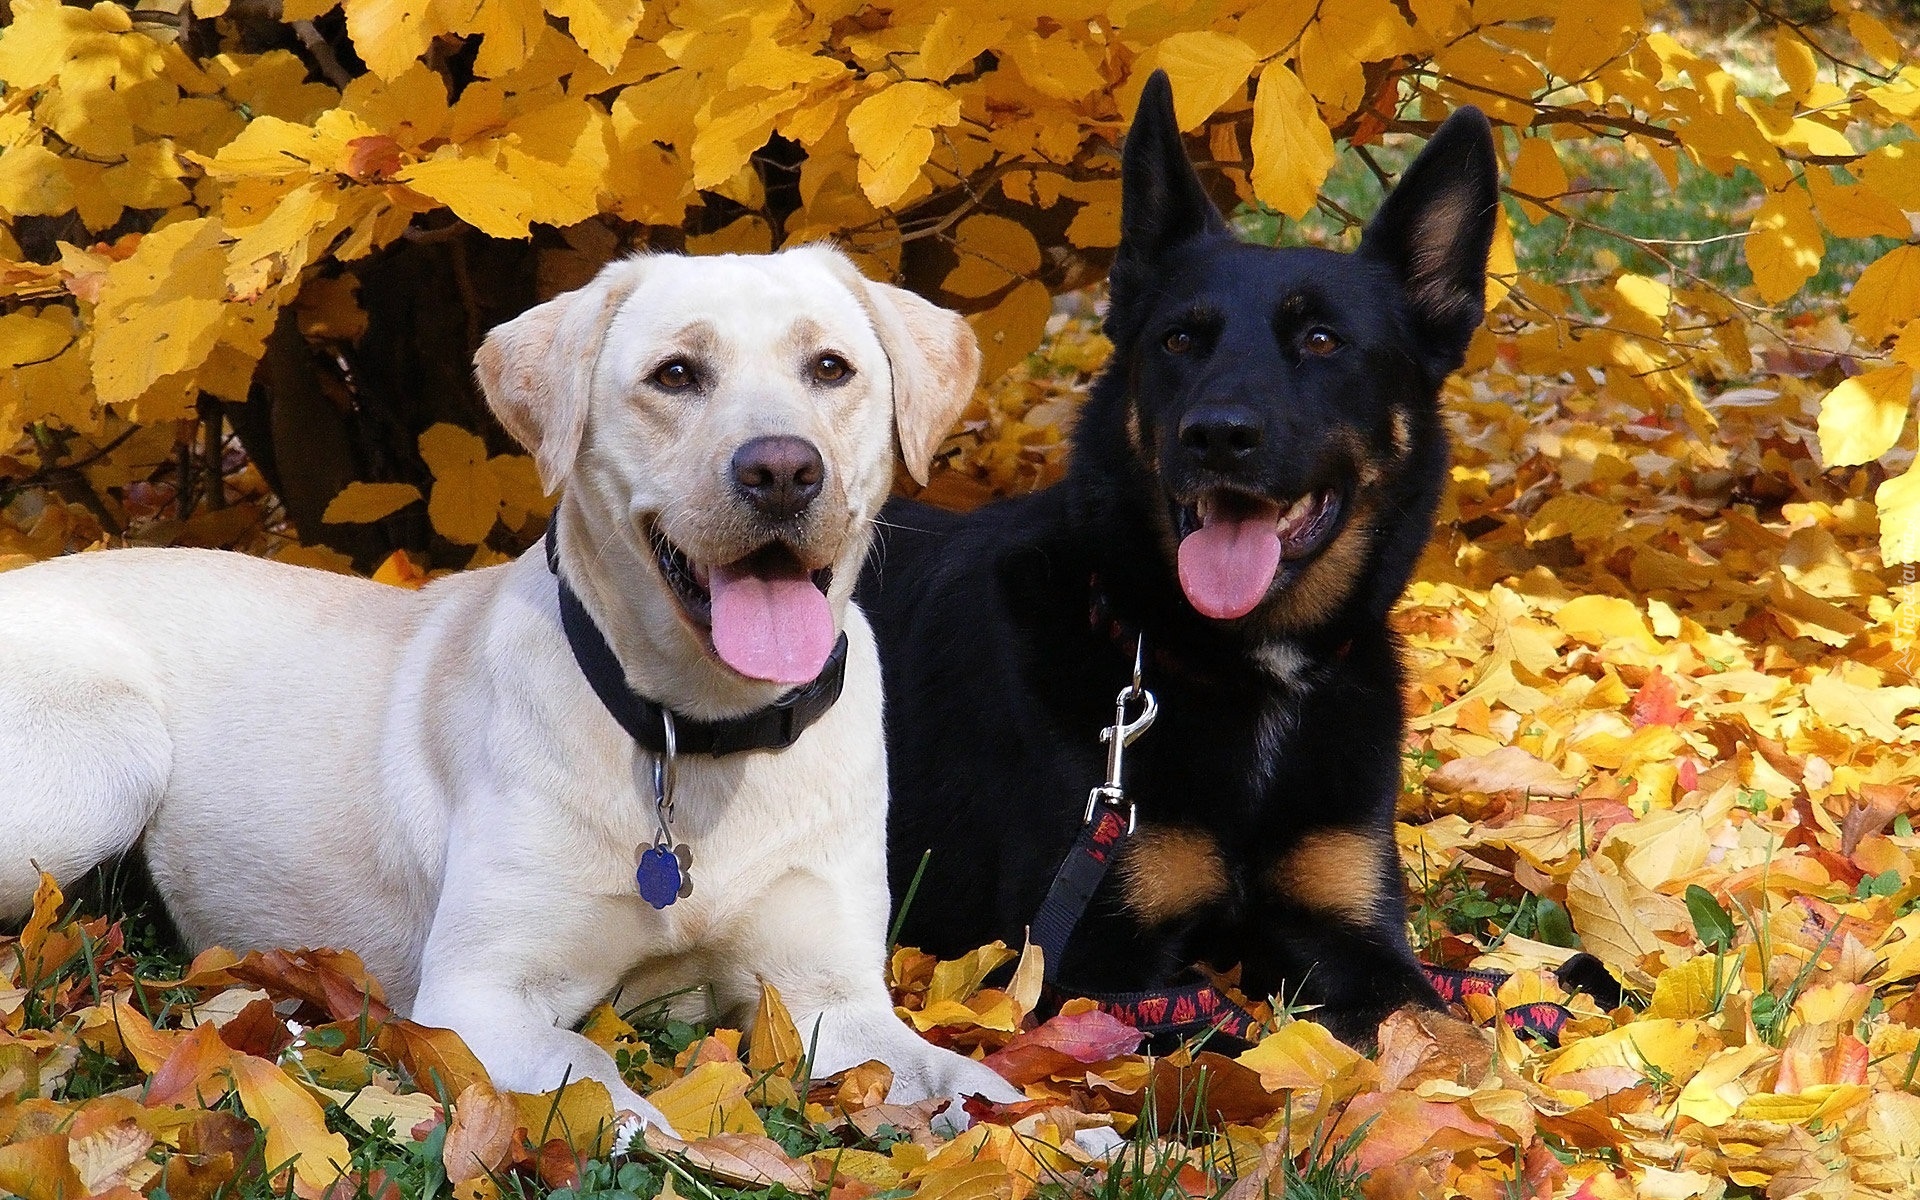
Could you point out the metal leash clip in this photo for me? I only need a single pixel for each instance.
(1121, 734)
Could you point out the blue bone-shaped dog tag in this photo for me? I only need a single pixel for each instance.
(662, 875)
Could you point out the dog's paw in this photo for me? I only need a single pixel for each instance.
(951, 1121)
(970, 1078)
(1101, 1141)
(963, 1078)
(633, 1119)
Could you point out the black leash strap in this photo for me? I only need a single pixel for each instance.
(774, 727)
(1542, 1018)
(1074, 883)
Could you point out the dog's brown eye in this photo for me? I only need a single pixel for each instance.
(674, 374)
(1322, 342)
(1178, 342)
(831, 368)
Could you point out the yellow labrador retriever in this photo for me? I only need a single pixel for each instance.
(456, 782)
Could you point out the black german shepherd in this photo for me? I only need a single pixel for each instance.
(1250, 485)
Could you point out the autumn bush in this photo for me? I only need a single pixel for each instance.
(247, 249)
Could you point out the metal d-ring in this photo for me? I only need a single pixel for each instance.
(664, 765)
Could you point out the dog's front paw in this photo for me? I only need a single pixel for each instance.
(1101, 1141)
(957, 1078)
(970, 1078)
(633, 1118)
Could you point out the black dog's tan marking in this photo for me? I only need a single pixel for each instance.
(1402, 423)
(1256, 398)
(1336, 871)
(1170, 872)
(1326, 583)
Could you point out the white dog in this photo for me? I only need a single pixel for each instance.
(429, 779)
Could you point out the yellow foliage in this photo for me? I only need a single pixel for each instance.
(223, 187)
(1292, 149)
(1784, 245)
(1862, 418)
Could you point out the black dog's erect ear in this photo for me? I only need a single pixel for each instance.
(1161, 201)
(1435, 229)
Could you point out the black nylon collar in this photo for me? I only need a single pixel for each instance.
(774, 727)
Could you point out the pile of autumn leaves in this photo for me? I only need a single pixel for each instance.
(1659, 686)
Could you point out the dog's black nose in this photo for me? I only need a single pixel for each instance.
(1221, 436)
(778, 475)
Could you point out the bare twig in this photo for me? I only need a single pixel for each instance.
(323, 55)
(183, 497)
(469, 296)
(1379, 173)
(213, 451)
(1800, 28)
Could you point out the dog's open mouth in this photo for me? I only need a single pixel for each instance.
(767, 614)
(1232, 545)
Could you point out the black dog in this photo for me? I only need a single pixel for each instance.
(1250, 485)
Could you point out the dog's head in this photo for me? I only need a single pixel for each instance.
(1283, 403)
(724, 428)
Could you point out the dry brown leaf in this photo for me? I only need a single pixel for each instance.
(480, 1137)
(748, 1160)
(1604, 917)
(1508, 769)
(864, 1086)
(111, 1157)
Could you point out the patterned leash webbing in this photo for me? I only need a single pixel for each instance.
(1542, 1018)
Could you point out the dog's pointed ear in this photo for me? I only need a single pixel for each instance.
(934, 357)
(1435, 230)
(537, 369)
(1161, 201)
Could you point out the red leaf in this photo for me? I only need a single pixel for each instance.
(333, 981)
(359, 1187)
(556, 1164)
(1058, 1044)
(980, 1109)
(846, 1187)
(372, 159)
(1657, 702)
(1023, 1063)
(257, 1030)
(1233, 1092)
(1850, 1060)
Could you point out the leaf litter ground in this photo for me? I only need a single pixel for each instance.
(1660, 687)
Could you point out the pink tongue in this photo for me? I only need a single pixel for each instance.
(773, 626)
(1227, 565)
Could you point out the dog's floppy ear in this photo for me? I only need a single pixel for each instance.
(1435, 229)
(537, 369)
(1161, 201)
(935, 360)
